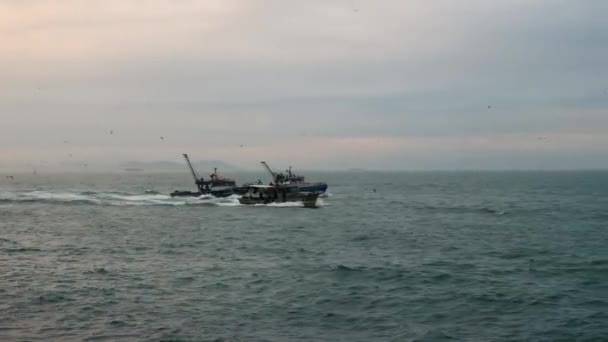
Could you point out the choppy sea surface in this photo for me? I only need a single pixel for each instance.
(435, 256)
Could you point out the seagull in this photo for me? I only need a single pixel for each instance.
(241, 146)
(161, 138)
(489, 107)
(111, 131)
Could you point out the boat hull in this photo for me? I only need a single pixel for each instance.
(178, 193)
(312, 187)
(215, 193)
(309, 200)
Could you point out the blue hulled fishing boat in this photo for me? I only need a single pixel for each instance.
(216, 185)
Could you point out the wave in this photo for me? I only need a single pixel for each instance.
(342, 268)
(21, 250)
(460, 209)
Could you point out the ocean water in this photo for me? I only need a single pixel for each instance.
(464, 256)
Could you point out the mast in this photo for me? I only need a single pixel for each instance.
(194, 174)
(272, 174)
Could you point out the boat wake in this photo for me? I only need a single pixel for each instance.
(281, 205)
(149, 198)
(112, 198)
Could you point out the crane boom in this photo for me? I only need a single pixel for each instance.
(272, 174)
(194, 174)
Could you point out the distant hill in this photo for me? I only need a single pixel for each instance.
(202, 166)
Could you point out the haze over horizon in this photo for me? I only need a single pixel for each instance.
(334, 84)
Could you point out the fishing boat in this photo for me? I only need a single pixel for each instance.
(266, 194)
(287, 187)
(217, 185)
(293, 182)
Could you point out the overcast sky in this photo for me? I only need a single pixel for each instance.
(403, 84)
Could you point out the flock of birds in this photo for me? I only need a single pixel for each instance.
(162, 138)
(110, 132)
(70, 155)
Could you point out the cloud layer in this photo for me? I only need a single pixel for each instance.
(326, 84)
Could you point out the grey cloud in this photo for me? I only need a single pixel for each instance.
(268, 71)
